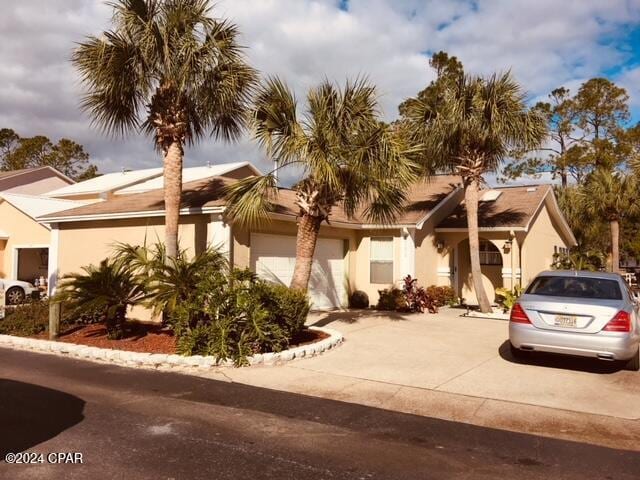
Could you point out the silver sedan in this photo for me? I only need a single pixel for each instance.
(589, 314)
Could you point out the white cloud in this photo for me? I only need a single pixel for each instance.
(546, 44)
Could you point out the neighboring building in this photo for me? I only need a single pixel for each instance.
(33, 181)
(520, 227)
(25, 243)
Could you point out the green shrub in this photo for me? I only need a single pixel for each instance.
(442, 295)
(507, 298)
(26, 320)
(236, 315)
(391, 299)
(287, 307)
(359, 299)
(107, 289)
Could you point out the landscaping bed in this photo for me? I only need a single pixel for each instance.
(150, 338)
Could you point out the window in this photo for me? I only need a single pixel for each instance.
(576, 287)
(381, 265)
(489, 254)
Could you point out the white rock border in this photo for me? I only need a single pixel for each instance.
(165, 361)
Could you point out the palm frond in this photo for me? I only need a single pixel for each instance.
(250, 200)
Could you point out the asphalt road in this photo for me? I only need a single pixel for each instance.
(135, 424)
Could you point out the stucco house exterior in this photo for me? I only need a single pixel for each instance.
(521, 228)
(24, 242)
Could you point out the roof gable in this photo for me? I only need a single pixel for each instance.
(12, 174)
(35, 206)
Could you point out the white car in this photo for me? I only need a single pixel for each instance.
(15, 291)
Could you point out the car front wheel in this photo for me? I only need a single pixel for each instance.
(15, 296)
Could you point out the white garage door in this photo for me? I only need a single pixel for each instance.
(273, 258)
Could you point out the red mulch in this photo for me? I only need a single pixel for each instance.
(148, 338)
(139, 337)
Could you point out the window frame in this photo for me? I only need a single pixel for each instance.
(390, 261)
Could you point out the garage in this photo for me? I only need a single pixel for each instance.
(273, 258)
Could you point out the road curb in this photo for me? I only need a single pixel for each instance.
(168, 361)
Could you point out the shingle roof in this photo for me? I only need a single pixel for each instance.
(423, 197)
(13, 173)
(514, 207)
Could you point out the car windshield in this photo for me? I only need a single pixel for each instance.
(576, 287)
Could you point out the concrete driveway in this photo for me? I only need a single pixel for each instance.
(458, 368)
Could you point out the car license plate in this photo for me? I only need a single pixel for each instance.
(567, 321)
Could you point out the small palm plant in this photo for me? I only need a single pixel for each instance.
(612, 196)
(107, 289)
(171, 70)
(346, 154)
(168, 281)
(468, 126)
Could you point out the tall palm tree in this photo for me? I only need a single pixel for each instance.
(612, 196)
(468, 128)
(346, 154)
(169, 69)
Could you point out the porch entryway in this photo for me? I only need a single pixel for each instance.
(491, 264)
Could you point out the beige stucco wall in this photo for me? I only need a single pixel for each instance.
(362, 274)
(23, 232)
(89, 242)
(537, 246)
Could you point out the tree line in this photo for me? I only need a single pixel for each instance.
(594, 150)
(171, 70)
(66, 156)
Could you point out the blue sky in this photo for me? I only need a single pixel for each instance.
(545, 43)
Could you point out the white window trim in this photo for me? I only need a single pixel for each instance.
(392, 261)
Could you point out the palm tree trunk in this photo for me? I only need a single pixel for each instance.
(306, 240)
(615, 248)
(172, 193)
(471, 201)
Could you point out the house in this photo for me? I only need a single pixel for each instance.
(520, 227)
(33, 181)
(23, 241)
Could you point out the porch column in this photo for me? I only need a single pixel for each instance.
(510, 265)
(52, 267)
(408, 252)
(219, 235)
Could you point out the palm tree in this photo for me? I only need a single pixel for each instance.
(168, 69)
(468, 128)
(612, 196)
(107, 290)
(169, 281)
(346, 154)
